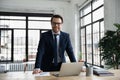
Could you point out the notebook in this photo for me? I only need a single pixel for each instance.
(69, 69)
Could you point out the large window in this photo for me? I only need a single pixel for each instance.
(91, 30)
(35, 26)
(20, 34)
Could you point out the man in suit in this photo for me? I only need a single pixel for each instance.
(50, 57)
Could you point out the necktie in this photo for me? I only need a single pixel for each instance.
(55, 49)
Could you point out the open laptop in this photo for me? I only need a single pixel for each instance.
(69, 69)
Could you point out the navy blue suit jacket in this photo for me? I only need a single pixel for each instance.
(45, 53)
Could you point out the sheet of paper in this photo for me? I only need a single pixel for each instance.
(43, 74)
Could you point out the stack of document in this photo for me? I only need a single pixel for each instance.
(102, 72)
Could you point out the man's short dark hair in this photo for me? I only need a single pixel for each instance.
(57, 16)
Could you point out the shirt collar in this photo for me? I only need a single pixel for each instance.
(55, 33)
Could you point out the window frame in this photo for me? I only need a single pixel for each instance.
(26, 15)
(84, 26)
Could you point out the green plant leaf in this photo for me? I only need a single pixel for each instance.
(117, 25)
(110, 47)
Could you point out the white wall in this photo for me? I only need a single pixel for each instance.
(111, 13)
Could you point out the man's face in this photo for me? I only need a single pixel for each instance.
(56, 24)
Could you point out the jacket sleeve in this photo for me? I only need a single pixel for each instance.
(69, 50)
(40, 52)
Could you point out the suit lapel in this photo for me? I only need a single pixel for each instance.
(51, 39)
(61, 39)
(61, 42)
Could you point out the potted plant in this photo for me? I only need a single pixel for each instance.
(110, 47)
(80, 57)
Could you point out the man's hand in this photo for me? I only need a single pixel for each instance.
(36, 71)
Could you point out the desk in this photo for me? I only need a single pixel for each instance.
(28, 76)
